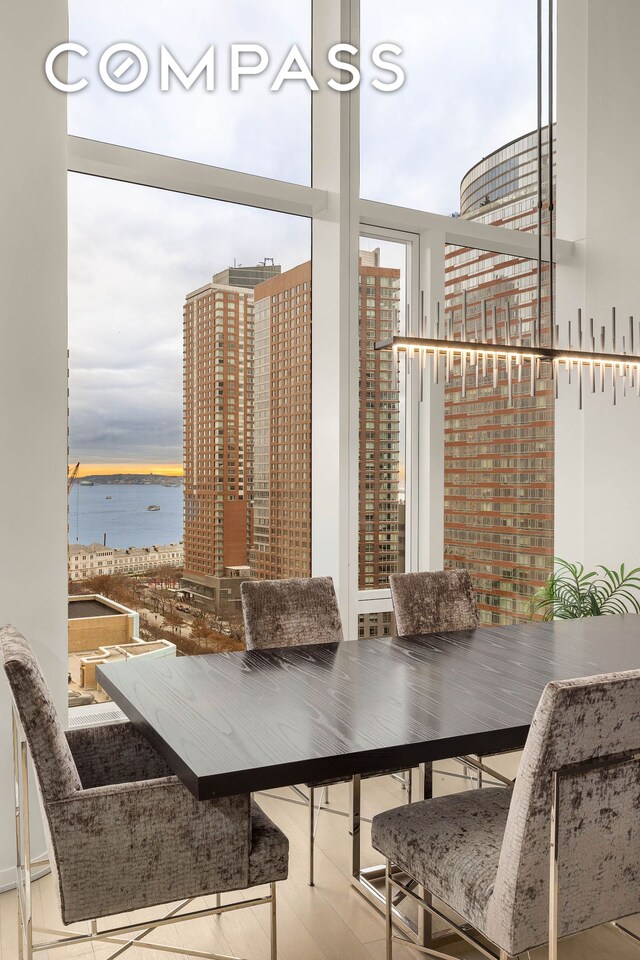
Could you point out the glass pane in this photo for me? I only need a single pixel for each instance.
(499, 473)
(382, 500)
(470, 89)
(253, 129)
(379, 624)
(176, 362)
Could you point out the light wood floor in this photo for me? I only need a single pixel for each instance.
(330, 921)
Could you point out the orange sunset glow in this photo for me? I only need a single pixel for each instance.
(103, 469)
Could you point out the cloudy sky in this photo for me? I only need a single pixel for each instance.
(135, 252)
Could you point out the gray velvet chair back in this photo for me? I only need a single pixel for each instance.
(433, 602)
(55, 768)
(289, 613)
(599, 823)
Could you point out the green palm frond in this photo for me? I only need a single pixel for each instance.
(570, 592)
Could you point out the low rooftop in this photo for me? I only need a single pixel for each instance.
(83, 607)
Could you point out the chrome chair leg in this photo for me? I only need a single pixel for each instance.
(23, 841)
(273, 924)
(553, 866)
(354, 823)
(311, 835)
(388, 924)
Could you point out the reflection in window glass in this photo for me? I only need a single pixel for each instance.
(382, 499)
(378, 624)
(498, 470)
(498, 455)
(187, 347)
(470, 88)
(252, 130)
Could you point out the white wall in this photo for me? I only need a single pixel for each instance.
(33, 365)
(598, 451)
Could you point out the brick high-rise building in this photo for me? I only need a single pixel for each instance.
(381, 512)
(281, 544)
(218, 436)
(499, 468)
(247, 432)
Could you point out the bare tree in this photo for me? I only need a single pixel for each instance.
(173, 620)
(165, 574)
(115, 586)
(211, 642)
(199, 628)
(236, 629)
(163, 600)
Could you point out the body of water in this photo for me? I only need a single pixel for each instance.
(125, 518)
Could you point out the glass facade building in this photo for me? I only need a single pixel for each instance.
(499, 455)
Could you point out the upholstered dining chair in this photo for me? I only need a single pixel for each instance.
(433, 602)
(558, 854)
(290, 613)
(440, 601)
(124, 833)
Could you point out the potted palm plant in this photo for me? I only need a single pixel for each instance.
(571, 592)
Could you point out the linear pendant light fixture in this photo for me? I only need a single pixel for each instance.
(487, 358)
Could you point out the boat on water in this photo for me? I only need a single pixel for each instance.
(86, 483)
(153, 506)
(108, 498)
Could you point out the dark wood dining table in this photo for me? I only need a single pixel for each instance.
(247, 721)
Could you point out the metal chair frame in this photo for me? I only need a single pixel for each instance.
(309, 801)
(353, 814)
(117, 935)
(465, 930)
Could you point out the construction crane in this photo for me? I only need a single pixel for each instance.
(71, 479)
